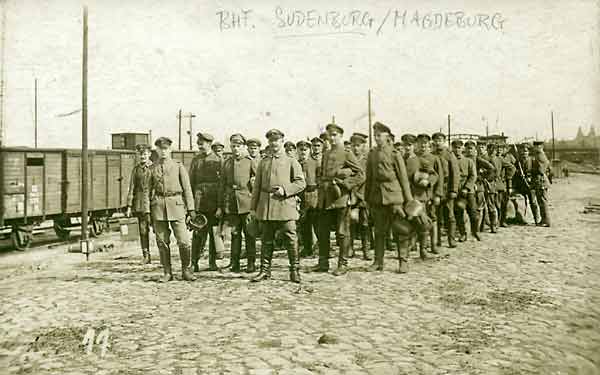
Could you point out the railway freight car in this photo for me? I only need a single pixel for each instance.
(45, 184)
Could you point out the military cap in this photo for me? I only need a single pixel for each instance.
(408, 138)
(481, 143)
(142, 147)
(470, 143)
(253, 141)
(457, 143)
(438, 135)
(491, 146)
(237, 138)
(317, 140)
(423, 138)
(274, 133)
(379, 127)
(347, 143)
(335, 127)
(398, 144)
(359, 137)
(289, 145)
(325, 137)
(205, 137)
(303, 144)
(217, 145)
(538, 143)
(163, 142)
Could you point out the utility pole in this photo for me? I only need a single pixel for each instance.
(35, 117)
(448, 130)
(552, 123)
(190, 116)
(179, 122)
(370, 127)
(84, 139)
(333, 119)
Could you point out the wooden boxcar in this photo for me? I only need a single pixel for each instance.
(45, 184)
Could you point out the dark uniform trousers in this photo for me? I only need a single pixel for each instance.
(472, 211)
(540, 196)
(340, 217)
(200, 236)
(445, 215)
(144, 228)
(286, 230)
(238, 226)
(307, 224)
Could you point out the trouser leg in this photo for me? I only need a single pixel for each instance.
(472, 208)
(250, 242)
(323, 229)
(163, 235)
(266, 250)
(344, 237)
(542, 197)
(144, 229)
(236, 242)
(381, 218)
(288, 232)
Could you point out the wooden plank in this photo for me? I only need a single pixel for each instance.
(114, 185)
(53, 166)
(13, 172)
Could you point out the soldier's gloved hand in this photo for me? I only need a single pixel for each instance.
(218, 213)
(128, 213)
(397, 209)
(436, 200)
(452, 195)
(278, 191)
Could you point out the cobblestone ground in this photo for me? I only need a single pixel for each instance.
(525, 301)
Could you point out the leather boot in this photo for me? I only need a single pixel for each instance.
(403, 256)
(184, 254)
(474, 232)
(451, 234)
(379, 253)
(423, 246)
(535, 213)
(324, 250)
(236, 245)
(342, 267)
(294, 260)
(197, 245)
(212, 255)
(438, 235)
(364, 244)
(266, 253)
(145, 256)
(166, 263)
(433, 239)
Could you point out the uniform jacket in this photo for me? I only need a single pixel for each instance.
(311, 167)
(539, 166)
(277, 170)
(505, 170)
(433, 166)
(357, 195)
(339, 165)
(387, 181)
(451, 171)
(486, 174)
(468, 173)
(169, 193)
(138, 187)
(237, 185)
(205, 178)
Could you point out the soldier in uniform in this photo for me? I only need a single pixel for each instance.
(539, 181)
(340, 173)
(505, 169)
(290, 149)
(218, 148)
(428, 191)
(205, 177)
(238, 174)
(169, 197)
(467, 191)
(386, 190)
(138, 191)
(451, 178)
(485, 170)
(348, 146)
(279, 179)
(357, 196)
(253, 146)
(310, 163)
(486, 173)
(412, 165)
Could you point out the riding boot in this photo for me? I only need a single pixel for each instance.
(379, 254)
(266, 254)
(184, 254)
(145, 256)
(423, 245)
(294, 260)
(212, 255)
(236, 245)
(433, 239)
(197, 247)
(364, 244)
(251, 255)
(535, 213)
(403, 256)
(451, 234)
(438, 235)
(324, 251)
(166, 263)
(342, 267)
(474, 231)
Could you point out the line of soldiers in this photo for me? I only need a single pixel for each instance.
(403, 194)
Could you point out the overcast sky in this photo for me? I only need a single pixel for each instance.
(148, 59)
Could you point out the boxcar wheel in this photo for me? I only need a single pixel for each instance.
(97, 227)
(21, 238)
(59, 228)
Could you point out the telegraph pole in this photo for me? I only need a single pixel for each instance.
(190, 116)
(552, 123)
(370, 119)
(448, 130)
(84, 138)
(333, 119)
(35, 122)
(179, 122)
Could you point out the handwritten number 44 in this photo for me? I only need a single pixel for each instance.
(101, 339)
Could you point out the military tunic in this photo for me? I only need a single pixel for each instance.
(138, 193)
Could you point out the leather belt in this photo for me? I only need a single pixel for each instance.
(311, 188)
(169, 194)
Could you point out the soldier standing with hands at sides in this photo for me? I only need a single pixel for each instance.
(238, 172)
(279, 179)
(387, 189)
(138, 191)
(505, 169)
(451, 179)
(309, 197)
(169, 197)
(340, 173)
(358, 143)
(540, 181)
(205, 178)
(466, 185)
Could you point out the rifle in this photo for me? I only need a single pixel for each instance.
(523, 177)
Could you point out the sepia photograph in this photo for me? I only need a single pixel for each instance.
(276, 187)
